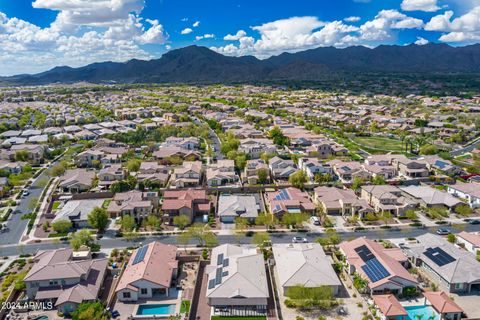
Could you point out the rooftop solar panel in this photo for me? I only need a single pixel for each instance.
(226, 262)
(224, 273)
(140, 255)
(374, 270)
(211, 284)
(438, 256)
(220, 259)
(218, 276)
(364, 253)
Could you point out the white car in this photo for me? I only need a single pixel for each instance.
(299, 240)
(314, 220)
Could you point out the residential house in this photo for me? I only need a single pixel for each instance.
(453, 268)
(150, 273)
(291, 200)
(237, 282)
(436, 164)
(221, 173)
(77, 211)
(76, 180)
(389, 307)
(153, 172)
(429, 197)
(386, 198)
(189, 202)
(165, 153)
(233, 206)
(135, 203)
(58, 276)
(254, 148)
(35, 153)
(304, 264)
(382, 268)
(281, 169)
(348, 171)
(345, 202)
(88, 158)
(410, 169)
(466, 191)
(313, 166)
(111, 174)
(250, 174)
(470, 241)
(188, 175)
(446, 308)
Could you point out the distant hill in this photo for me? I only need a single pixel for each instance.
(194, 64)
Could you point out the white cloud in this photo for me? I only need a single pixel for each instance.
(205, 36)
(352, 19)
(465, 28)
(379, 29)
(186, 31)
(240, 34)
(420, 5)
(421, 41)
(301, 33)
(196, 24)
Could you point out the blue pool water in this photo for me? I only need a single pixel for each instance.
(155, 309)
(42, 318)
(422, 313)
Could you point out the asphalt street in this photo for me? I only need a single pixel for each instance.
(286, 237)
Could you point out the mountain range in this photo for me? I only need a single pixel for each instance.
(196, 64)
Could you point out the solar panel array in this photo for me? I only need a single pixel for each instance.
(218, 276)
(439, 256)
(364, 253)
(141, 252)
(226, 262)
(282, 195)
(211, 284)
(220, 259)
(374, 270)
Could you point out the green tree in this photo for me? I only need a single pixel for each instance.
(294, 219)
(261, 238)
(429, 149)
(183, 239)
(152, 221)
(262, 175)
(451, 238)
(80, 238)
(181, 221)
(378, 180)
(127, 223)
(278, 137)
(464, 210)
(298, 179)
(98, 218)
(266, 219)
(61, 226)
(90, 311)
(241, 225)
(357, 183)
(133, 165)
(386, 216)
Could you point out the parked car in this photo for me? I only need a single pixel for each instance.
(443, 231)
(314, 220)
(474, 221)
(299, 240)
(25, 193)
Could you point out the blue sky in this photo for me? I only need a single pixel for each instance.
(38, 35)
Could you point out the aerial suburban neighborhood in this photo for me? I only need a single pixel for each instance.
(245, 201)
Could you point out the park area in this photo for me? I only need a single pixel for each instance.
(379, 144)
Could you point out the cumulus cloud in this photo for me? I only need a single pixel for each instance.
(465, 28)
(196, 24)
(421, 41)
(186, 31)
(420, 5)
(300, 33)
(83, 32)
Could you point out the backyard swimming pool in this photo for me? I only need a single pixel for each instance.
(422, 313)
(155, 309)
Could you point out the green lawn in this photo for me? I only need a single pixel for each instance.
(380, 143)
(185, 306)
(58, 235)
(55, 205)
(106, 203)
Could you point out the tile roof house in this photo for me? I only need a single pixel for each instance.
(467, 191)
(86, 158)
(153, 172)
(188, 175)
(190, 202)
(281, 169)
(443, 304)
(111, 174)
(340, 201)
(387, 198)
(382, 268)
(77, 211)
(470, 241)
(304, 264)
(390, 307)
(347, 171)
(58, 277)
(233, 206)
(149, 272)
(174, 151)
(221, 173)
(291, 200)
(77, 180)
(313, 166)
(431, 197)
(250, 174)
(135, 203)
(455, 269)
(236, 281)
